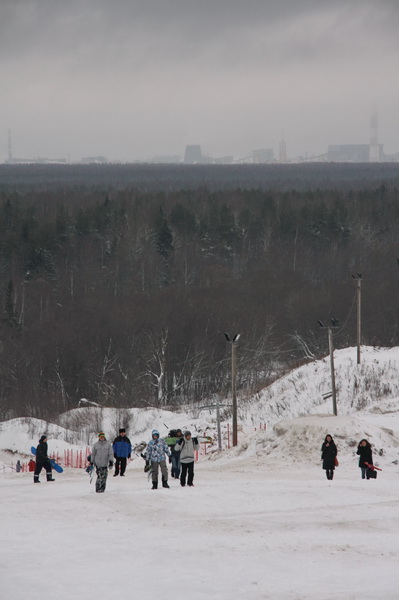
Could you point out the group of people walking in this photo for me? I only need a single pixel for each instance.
(181, 453)
(180, 449)
(329, 457)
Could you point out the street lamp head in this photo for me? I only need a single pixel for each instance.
(236, 337)
(226, 335)
(320, 323)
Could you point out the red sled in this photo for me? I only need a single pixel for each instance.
(372, 467)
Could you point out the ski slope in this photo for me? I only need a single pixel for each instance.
(262, 521)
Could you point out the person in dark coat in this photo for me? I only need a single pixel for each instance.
(122, 449)
(328, 456)
(42, 460)
(175, 458)
(366, 456)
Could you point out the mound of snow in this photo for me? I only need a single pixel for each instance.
(299, 440)
(300, 392)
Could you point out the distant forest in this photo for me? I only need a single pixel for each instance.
(118, 281)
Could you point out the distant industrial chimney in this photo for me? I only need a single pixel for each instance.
(375, 148)
(9, 147)
(282, 155)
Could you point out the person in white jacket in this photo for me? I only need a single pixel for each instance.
(187, 446)
(102, 457)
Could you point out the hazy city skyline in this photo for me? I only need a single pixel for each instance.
(131, 80)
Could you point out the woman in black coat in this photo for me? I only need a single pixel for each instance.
(366, 456)
(328, 456)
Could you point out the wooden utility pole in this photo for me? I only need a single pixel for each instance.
(359, 316)
(334, 325)
(333, 390)
(234, 390)
(234, 342)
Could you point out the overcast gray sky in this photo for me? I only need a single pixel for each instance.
(131, 79)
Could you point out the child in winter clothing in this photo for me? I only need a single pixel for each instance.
(187, 446)
(42, 460)
(366, 456)
(156, 452)
(102, 457)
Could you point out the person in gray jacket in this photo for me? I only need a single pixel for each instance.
(187, 446)
(102, 457)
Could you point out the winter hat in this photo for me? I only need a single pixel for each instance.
(101, 434)
(186, 433)
(155, 432)
(122, 431)
(44, 437)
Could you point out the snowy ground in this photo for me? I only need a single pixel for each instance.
(245, 531)
(262, 521)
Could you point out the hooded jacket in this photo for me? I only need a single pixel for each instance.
(157, 450)
(102, 454)
(187, 448)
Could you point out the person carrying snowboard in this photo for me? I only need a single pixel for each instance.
(174, 436)
(365, 456)
(102, 458)
(328, 456)
(156, 452)
(122, 451)
(42, 460)
(187, 446)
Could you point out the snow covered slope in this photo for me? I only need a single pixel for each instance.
(293, 409)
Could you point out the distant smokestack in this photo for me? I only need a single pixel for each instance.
(9, 146)
(374, 150)
(282, 155)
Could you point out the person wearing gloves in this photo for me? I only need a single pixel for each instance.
(42, 460)
(122, 451)
(102, 457)
(156, 452)
(187, 446)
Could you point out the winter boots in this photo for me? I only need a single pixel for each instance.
(155, 484)
(36, 479)
(50, 478)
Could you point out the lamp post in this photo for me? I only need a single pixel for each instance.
(358, 278)
(334, 325)
(233, 341)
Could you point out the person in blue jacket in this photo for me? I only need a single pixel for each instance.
(122, 449)
(156, 452)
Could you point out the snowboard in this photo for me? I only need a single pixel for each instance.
(54, 464)
(202, 439)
